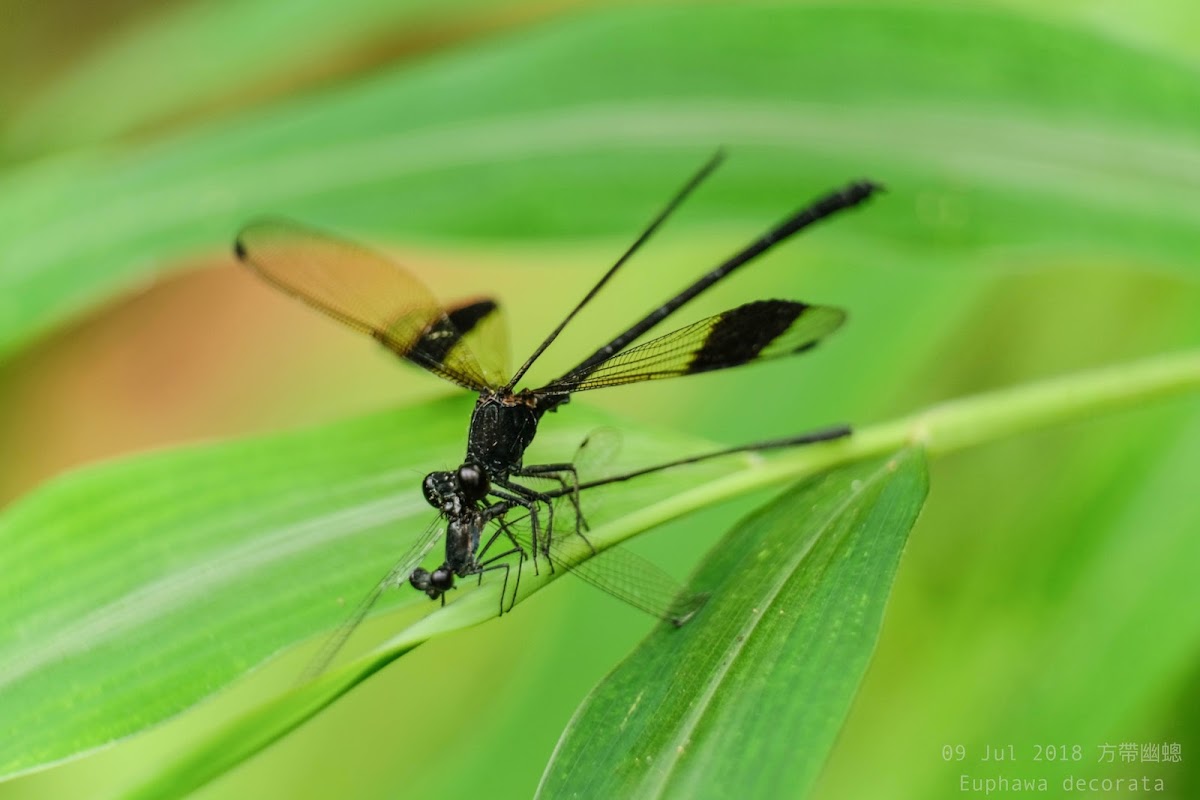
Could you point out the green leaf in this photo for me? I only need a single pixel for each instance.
(1090, 154)
(136, 588)
(861, 500)
(747, 699)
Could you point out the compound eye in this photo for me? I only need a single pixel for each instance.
(429, 488)
(419, 579)
(442, 578)
(472, 481)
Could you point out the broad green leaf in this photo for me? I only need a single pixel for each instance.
(264, 725)
(141, 586)
(505, 139)
(748, 698)
(136, 588)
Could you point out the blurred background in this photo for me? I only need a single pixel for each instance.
(1043, 166)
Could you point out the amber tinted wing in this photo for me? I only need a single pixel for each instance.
(753, 332)
(484, 333)
(370, 293)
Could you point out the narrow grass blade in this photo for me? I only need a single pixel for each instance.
(747, 699)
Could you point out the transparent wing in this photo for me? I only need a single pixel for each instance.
(630, 578)
(616, 571)
(752, 332)
(368, 292)
(394, 577)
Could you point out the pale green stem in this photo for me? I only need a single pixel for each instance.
(943, 428)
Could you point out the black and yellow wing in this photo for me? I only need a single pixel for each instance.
(371, 293)
(757, 331)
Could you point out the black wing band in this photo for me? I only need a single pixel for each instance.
(756, 331)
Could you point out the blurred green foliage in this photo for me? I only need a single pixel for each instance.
(1043, 171)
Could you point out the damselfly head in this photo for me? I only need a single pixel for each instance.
(435, 583)
(473, 482)
(453, 492)
(420, 580)
(442, 579)
(441, 491)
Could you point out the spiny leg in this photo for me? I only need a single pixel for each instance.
(509, 494)
(569, 488)
(571, 492)
(485, 565)
(532, 499)
(553, 471)
(480, 569)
